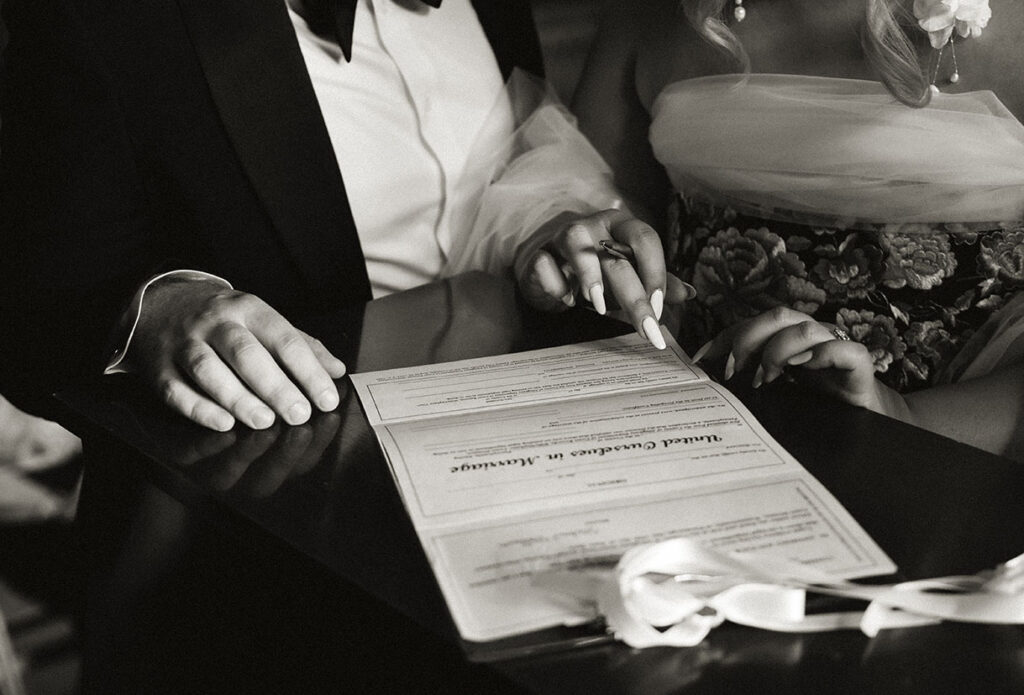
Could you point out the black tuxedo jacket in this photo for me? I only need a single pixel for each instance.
(140, 135)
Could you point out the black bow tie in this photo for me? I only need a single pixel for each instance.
(336, 18)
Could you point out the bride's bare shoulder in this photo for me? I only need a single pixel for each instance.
(669, 49)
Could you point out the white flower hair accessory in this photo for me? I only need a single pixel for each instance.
(940, 17)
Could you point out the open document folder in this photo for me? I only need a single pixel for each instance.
(567, 456)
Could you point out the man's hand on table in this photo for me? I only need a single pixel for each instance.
(215, 355)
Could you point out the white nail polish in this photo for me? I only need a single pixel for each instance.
(653, 333)
(657, 303)
(701, 351)
(758, 377)
(730, 367)
(597, 298)
(569, 299)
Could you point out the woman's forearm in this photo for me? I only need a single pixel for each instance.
(987, 412)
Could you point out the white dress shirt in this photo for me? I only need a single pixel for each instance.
(402, 118)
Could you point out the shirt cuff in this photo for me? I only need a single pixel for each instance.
(130, 319)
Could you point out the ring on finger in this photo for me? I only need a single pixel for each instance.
(840, 334)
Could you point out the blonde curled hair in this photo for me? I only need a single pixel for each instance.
(886, 45)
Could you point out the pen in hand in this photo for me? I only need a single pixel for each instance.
(617, 250)
(625, 253)
(651, 329)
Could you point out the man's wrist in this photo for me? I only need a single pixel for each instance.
(119, 363)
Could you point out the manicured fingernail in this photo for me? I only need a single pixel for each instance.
(327, 400)
(569, 299)
(730, 367)
(691, 291)
(800, 358)
(262, 418)
(703, 350)
(657, 303)
(597, 298)
(758, 377)
(297, 414)
(653, 333)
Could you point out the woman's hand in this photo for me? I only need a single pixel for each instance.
(573, 261)
(783, 339)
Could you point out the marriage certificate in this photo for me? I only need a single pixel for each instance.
(514, 465)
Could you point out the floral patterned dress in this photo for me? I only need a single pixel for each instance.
(913, 294)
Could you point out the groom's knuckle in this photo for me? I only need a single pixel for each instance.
(171, 392)
(292, 344)
(199, 364)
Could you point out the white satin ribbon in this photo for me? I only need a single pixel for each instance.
(675, 592)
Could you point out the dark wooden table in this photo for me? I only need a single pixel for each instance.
(283, 561)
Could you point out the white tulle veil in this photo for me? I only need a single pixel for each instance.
(829, 151)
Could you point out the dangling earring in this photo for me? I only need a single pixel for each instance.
(739, 11)
(954, 76)
(943, 28)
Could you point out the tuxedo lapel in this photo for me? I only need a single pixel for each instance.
(510, 29)
(259, 83)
